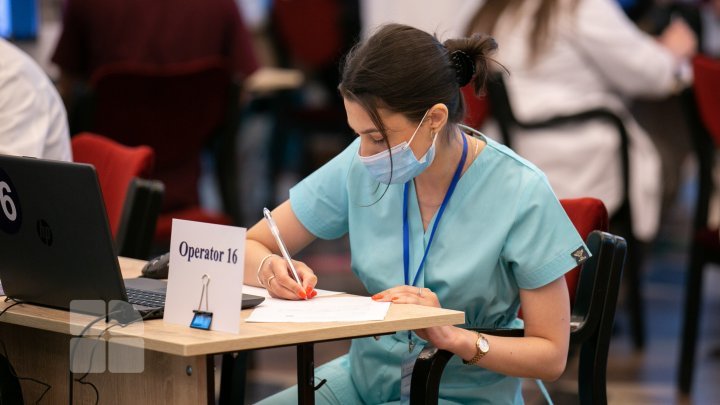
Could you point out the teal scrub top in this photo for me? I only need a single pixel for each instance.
(502, 230)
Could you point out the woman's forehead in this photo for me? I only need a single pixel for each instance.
(360, 121)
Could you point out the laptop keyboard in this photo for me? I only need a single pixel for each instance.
(152, 299)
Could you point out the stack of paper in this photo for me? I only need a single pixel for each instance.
(322, 308)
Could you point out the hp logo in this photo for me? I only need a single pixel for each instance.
(44, 232)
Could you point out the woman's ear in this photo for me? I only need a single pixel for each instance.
(438, 116)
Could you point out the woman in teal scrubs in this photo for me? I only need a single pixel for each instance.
(435, 216)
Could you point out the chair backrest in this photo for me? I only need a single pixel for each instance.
(132, 204)
(706, 83)
(702, 103)
(116, 166)
(587, 214)
(477, 108)
(702, 107)
(310, 31)
(501, 108)
(174, 108)
(594, 287)
(136, 233)
(593, 314)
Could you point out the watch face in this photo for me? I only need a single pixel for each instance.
(483, 345)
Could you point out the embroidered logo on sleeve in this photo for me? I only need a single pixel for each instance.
(580, 255)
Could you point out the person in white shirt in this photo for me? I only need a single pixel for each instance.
(445, 19)
(568, 56)
(33, 121)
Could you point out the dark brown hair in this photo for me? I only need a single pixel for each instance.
(407, 71)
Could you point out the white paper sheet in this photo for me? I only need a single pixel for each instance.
(248, 289)
(320, 309)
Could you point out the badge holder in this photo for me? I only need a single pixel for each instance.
(406, 369)
(203, 319)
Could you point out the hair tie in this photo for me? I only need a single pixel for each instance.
(464, 67)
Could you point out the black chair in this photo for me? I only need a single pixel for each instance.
(701, 104)
(140, 212)
(592, 318)
(621, 221)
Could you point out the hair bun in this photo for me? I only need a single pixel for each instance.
(464, 67)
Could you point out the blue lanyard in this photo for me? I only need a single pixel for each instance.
(406, 228)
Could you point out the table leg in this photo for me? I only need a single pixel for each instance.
(306, 374)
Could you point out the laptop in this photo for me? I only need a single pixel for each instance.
(55, 241)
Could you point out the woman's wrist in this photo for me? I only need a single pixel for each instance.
(262, 262)
(452, 339)
(462, 343)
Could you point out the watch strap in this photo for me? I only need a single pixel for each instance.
(478, 353)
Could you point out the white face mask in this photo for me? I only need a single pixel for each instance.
(405, 166)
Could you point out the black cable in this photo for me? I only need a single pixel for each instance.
(9, 306)
(81, 379)
(72, 355)
(7, 357)
(47, 386)
(72, 350)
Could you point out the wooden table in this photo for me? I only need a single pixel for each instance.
(178, 360)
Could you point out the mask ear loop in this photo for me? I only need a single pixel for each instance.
(418, 127)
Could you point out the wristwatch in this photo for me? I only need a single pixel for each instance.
(482, 346)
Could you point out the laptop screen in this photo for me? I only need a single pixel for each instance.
(55, 241)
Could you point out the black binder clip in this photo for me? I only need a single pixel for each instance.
(203, 319)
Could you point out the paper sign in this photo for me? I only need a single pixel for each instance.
(200, 249)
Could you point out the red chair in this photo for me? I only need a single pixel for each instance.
(176, 109)
(132, 205)
(587, 214)
(310, 46)
(703, 109)
(477, 108)
(595, 285)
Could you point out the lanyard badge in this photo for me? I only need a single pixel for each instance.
(408, 361)
(202, 319)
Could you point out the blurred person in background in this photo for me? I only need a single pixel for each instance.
(567, 56)
(98, 33)
(33, 121)
(445, 19)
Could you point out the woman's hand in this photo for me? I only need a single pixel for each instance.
(405, 294)
(279, 281)
(440, 336)
(680, 39)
